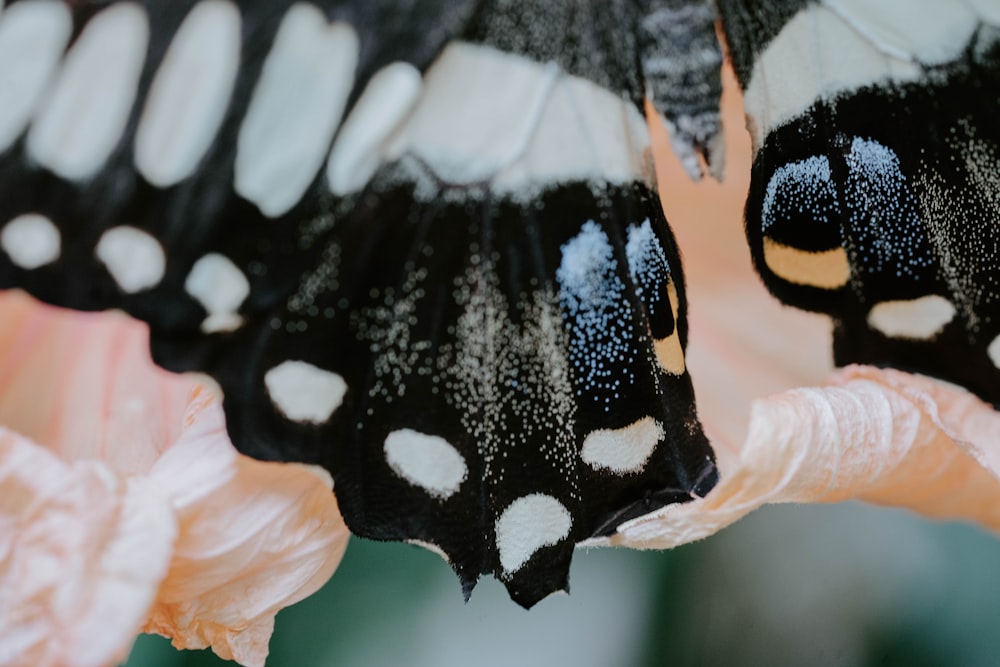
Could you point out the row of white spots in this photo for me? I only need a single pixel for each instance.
(602, 334)
(840, 45)
(557, 128)
(136, 260)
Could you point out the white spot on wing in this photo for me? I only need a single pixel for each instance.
(356, 154)
(528, 524)
(133, 257)
(920, 319)
(220, 287)
(303, 392)
(31, 241)
(295, 109)
(993, 350)
(622, 450)
(427, 461)
(33, 36)
(190, 93)
(84, 116)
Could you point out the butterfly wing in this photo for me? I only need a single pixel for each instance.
(875, 189)
(416, 243)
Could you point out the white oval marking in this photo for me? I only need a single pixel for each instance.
(189, 95)
(303, 392)
(920, 319)
(84, 116)
(387, 99)
(993, 350)
(528, 524)
(427, 461)
(31, 241)
(295, 109)
(133, 257)
(220, 287)
(33, 36)
(622, 450)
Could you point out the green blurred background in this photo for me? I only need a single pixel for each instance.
(790, 585)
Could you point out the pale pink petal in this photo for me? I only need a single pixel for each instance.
(83, 385)
(881, 436)
(254, 537)
(82, 554)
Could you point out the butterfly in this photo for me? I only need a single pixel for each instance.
(418, 242)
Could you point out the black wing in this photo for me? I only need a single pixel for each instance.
(875, 190)
(415, 242)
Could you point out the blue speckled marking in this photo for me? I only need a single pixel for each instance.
(599, 316)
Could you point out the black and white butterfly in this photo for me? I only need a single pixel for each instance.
(418, 242)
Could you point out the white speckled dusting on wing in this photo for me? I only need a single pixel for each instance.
(946, 207)
(491, 352)
(884, 213)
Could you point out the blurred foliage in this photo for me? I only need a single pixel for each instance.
(819, 585)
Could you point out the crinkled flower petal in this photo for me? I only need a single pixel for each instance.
(877, 435)
(82, 554)
(255, 537)
(127, 506)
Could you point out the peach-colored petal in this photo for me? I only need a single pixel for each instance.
(254, 537)
(82, 554)
(876, 435)
(83, 385)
